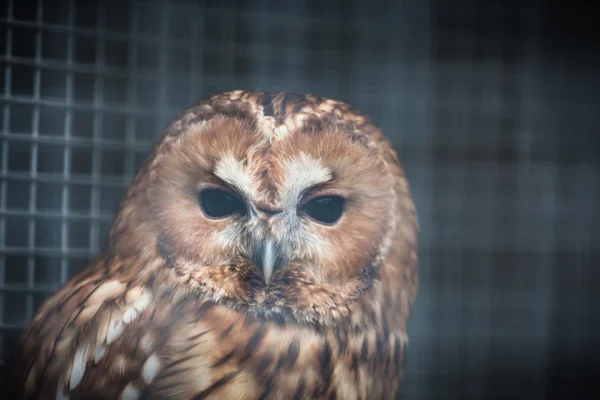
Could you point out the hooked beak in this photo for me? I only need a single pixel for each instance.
(267, 257)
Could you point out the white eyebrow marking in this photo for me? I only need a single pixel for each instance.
(302, 172)
(233, 172)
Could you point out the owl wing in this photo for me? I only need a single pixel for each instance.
(96, 337)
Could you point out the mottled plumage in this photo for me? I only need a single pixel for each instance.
(276, 300)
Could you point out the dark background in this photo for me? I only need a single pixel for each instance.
(493, 105)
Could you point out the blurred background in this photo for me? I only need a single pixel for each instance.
(493, 105)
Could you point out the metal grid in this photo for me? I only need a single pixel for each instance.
(511, 258)
(497, 131)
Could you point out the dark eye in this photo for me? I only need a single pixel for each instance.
(217, 203)
(325, 209)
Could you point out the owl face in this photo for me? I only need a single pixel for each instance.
(283, 223)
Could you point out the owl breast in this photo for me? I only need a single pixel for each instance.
(248, 358)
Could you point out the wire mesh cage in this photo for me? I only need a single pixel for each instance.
(498, 134)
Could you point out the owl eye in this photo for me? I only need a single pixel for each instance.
(217, 203)
(324, 209)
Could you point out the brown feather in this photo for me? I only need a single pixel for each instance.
(175, 306)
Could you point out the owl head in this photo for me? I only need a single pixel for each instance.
(284, 206)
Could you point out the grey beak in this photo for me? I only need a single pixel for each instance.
(267, 257)
(268, 260)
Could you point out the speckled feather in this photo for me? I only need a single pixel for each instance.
(167, 310)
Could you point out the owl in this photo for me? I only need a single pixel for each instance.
(266, 249)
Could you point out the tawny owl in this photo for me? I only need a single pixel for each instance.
(266, 249)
